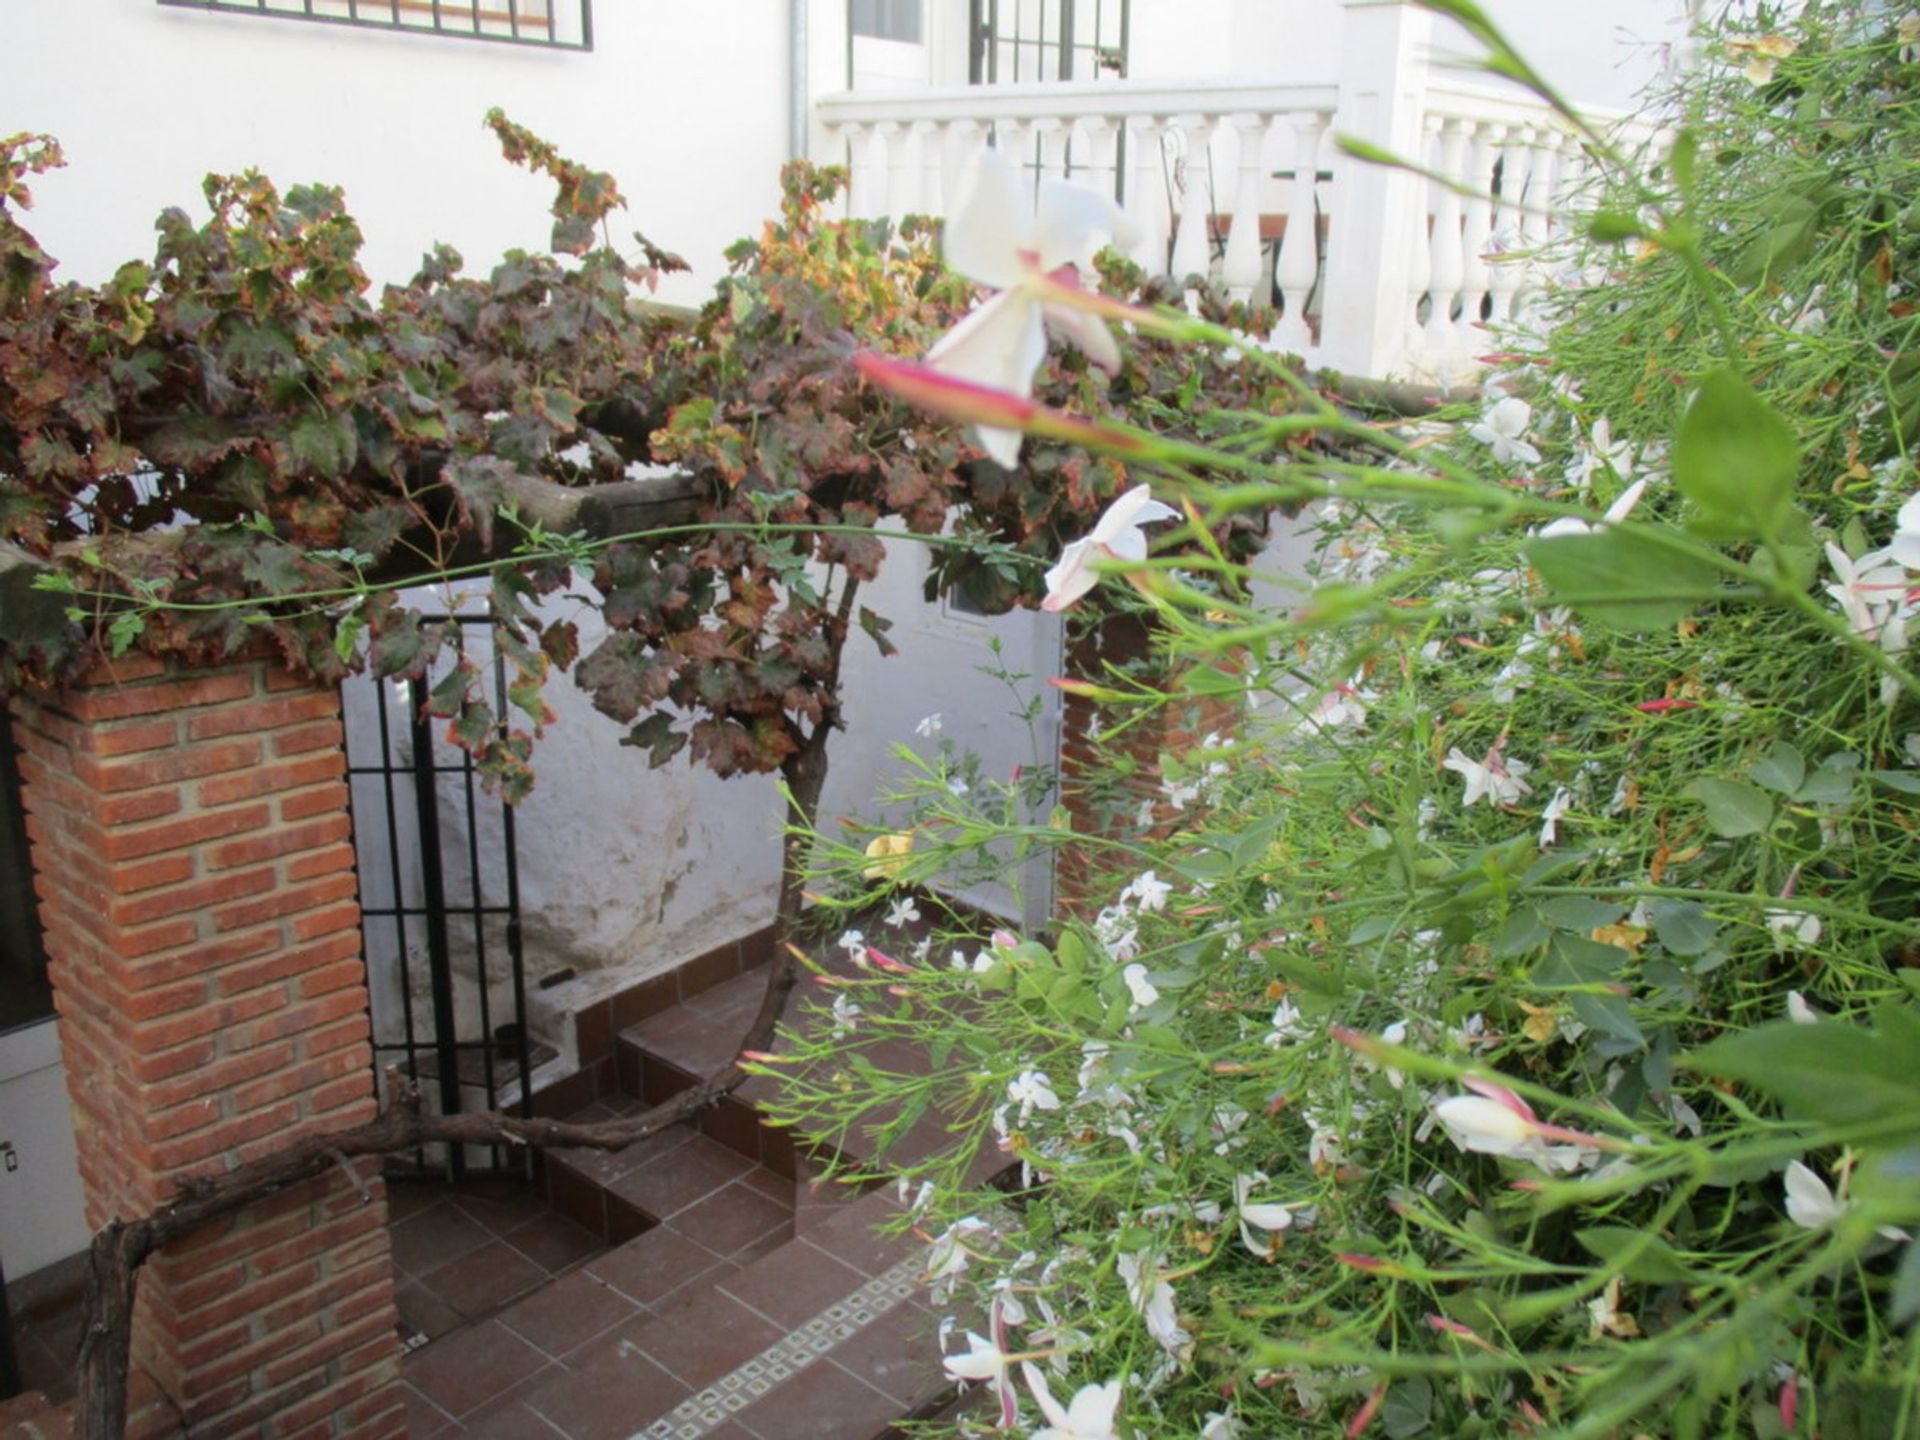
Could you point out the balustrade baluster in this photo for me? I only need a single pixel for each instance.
(1538, 213)
(1477, 224)
(931, 135)
(1147, 197)
(1103, 147)
(1504, 281)
(1050, 148)
(898, 198)
(1420, 264)
(859, 140)
(1448, 273)
(1299, 263)
(1192, 246)
(1240, 268)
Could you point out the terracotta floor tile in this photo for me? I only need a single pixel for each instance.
(653, 1266)
(733, 1218)
(670, 1182)
(424, 1418)
(794, 1285)
(435, 1235)
(501, 1211)
(506, 1416)
(554, 1242)
(482, 1280)
(616, 1393)
(822, 1402)
(899, 1355)
(424, 1313)
(462, 1372)
(703, 1339)
(851, 1235)
(566, 1313)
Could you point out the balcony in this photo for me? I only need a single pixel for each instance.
(1373, 271)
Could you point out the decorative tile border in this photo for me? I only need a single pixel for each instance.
(695, 1417)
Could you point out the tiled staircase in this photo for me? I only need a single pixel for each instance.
(741, 1298)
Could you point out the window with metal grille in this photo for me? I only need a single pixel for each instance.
(1017, 41)
(25, 996)
(887, 20)
(558, 24)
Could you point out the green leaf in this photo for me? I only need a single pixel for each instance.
(1832, 783)
(1782, 768)
(1622, 578)
(1905, 781)
(1574, 962)
(1581, 913)
(1683, 926)
(324, 443)
(1734, 808)
(1610, 227)
(1609, 1014)
(1652, 1261)
(1735, 458)
(1827, 1071)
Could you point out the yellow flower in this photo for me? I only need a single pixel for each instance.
(1762, 55)
(889, 854)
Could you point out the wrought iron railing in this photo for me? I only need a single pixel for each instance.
(548, 24)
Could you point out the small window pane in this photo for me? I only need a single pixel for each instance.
(887, 19)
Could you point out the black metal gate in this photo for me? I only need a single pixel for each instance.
(440, 908)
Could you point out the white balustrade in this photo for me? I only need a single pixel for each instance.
(1202, 171)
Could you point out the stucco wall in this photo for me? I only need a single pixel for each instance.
(685, 103)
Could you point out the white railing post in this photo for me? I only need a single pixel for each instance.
(898, 198)
(1146, 192)
(859, 171)
(1299, 263)
(1192, 250)
(1382, 99)
(1420, 255)
(933, 166)
(1504, 283)
(1240, 269)
(1478, 225)
(1448, 274)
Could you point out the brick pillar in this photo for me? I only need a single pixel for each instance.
(194, 863)
(1110, 771)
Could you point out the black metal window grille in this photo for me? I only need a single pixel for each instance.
(440, 910)
(1026, 41)
(25, 996)
(887, 20)
(548, 24)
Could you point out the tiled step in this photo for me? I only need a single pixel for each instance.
(660, 1056)
(821, 1337)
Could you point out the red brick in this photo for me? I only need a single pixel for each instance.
(200, 895)
(149, 875)
(350, 1089)
(225, 1016)
(167, 767)
(229, 1135)
(306, 1017)
(306, 1075)
(326, 922)
(354, 1029)
(321, 800)
(162, 1063)
(250, 1299)
(182, 1119)
(269, 779)
(207, 1286)
(222, 1074)
(284, 840)
(286, 900)
(145, 699)
(329, 861)
(302, 739)
(162, 1000)
(179, 834)
(132, 809)
(235, 1362)
(333, 977)
(263, 715)
(131, 739)
(286, 963)
(317, 1352)
(117, 670)
(152, 939)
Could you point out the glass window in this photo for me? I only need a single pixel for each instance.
(887, 20)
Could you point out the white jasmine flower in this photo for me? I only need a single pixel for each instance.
(853, 942)
(1799, 1011)
(1495, 778)
(1031, 1090)
(1617, 511)
(1153, 1298)
(1142, 989)
(1905, 545)
(1117, 535)
(929, 727)
(1792, 927)
(1148, 891)
(1558, 806)
(1269, 1220)
(845, 1014)
(1287, 1024)
(1503, 429)
(1090, 1415)
(902, 912)
(1812, 1206)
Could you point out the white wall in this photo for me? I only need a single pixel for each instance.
(41, 1219)
(685, 104)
